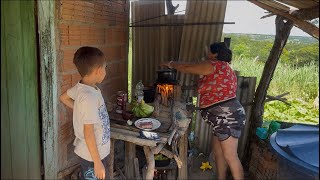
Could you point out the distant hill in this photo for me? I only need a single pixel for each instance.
(264, 37)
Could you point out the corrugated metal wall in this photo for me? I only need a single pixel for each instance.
(196, 38)
(146, 41)
(152, 45)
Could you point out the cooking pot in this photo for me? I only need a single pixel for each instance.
(166, 75)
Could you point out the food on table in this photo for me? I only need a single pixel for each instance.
(146, 125)
(129, 122)
(141, 109)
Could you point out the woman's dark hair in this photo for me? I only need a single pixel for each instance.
(224, 53)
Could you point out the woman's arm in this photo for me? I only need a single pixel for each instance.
(66, 100)
(202, 68)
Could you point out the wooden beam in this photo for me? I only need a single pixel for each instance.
(130, 154)
(151, 163)
(49, 84)
(135, 140)
(182, 24)
(307, 14)
(276, 5)
(303, 25)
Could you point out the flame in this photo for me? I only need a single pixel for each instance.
(165, 89)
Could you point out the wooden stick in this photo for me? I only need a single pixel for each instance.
(111, 159)
(179, 162)
(171, 155)
(171, 135)
(136, 169)
(156, 150)
(135, 140)
(272, 98)
(150, 161)
(123, 177)
(67, 171)
(167, 153)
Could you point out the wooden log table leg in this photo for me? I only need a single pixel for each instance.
(183, 153)
(130, 154)
(151, 162)
(111, 159)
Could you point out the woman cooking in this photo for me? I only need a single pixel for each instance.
(219, 106)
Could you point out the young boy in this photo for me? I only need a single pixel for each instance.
(90, 117)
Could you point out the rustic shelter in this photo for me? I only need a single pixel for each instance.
(39, 39)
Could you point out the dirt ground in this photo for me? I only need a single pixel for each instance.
(196, 173)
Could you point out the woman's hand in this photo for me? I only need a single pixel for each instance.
(99, 170)
(166, 64)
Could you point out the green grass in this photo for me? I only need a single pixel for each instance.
(302, 83)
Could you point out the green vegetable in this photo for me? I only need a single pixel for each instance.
(160, 157)
(141, 109)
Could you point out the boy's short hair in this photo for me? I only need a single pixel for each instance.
(224, 53)
(86, 58)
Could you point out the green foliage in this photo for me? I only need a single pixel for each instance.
(301, 82)
(298, 112)
(299, 51)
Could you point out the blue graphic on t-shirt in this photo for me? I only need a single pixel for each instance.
(103, 114)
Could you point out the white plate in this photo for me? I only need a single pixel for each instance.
(155, 123)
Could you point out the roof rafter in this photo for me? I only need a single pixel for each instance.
(303, 25)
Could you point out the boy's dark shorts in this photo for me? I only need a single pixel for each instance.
(226, 118)
(87, 169)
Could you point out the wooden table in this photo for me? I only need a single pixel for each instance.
(121, 131)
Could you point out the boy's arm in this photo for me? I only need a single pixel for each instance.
(66, 100)
(90, 139)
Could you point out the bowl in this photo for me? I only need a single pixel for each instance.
(126, 115)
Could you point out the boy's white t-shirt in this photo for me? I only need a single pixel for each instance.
(89, 108)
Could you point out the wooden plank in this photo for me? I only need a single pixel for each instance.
(21, 116)
(150, 161)
(130, 154)
(183, 153)
(300, 4)
(248, 109)
(247, 97)
(49, 84)
(136, 169)
(6, 164)
(30, 75)
(276, 5)
(111, 158)
(132, 139)
(136, 134)
(16, 97)
(307, 27)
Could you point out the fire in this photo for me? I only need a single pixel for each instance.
(165, 89)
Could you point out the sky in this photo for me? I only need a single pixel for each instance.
(247, 19)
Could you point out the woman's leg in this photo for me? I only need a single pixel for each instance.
(221, 164)
(229, 148)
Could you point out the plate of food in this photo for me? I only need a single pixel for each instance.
(147, 124)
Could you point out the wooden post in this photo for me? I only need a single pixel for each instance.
(111, 158)
(136, 169)
(49, 84)
(282, 33)
(130, 154)
(183, 148)
(151, 162)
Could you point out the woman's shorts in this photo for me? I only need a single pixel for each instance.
(226, 118)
